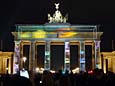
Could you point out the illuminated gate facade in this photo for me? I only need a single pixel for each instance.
(35, 42)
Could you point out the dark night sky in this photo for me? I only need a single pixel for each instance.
(99, 12)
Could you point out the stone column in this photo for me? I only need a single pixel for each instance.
(32, 61)
(47, 56)
(82, 56)
(67, 56)
(21, 55)
(35, 59)
(9, 66)
(97, 55)
(16, 61)
(32, 57)
(93, 55)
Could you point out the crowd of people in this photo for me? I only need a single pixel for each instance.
(94, 78)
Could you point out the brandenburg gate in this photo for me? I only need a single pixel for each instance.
(57, 45)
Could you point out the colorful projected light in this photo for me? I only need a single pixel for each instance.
(66, 33)
(25, 35)
(39, 34)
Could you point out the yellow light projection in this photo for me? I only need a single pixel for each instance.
(25, 35)
(67, 34)
(39, 34)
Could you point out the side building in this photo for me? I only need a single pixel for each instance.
(108, 61)
(6, 62)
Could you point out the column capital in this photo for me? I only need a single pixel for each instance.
(17, 42)
(81, 41)
(33, 41)
(97, 40)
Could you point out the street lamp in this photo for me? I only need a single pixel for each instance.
(7, 70)
(24, 60)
